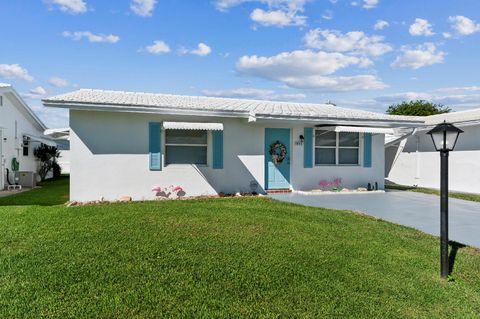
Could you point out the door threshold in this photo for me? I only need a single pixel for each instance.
(277, 191)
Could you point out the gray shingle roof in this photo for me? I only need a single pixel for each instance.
(236, 107)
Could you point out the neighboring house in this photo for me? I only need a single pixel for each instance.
(20, 132)
(126, 143)
(413, 160)
(61, 136)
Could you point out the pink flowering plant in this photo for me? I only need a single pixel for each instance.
(332, 185)
(166, 192)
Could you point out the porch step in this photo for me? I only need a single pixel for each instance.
(276, 191)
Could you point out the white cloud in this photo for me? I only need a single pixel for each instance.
(158, 47)
(462, 89)
(70, 6)
(457, 98)
(36, 93)
(143, 8)
(370, 4)
(381, 24)
(404, 96)
(277, 18)
(447, 35)
(280, 13)
(418, 57)
(253, 93)
(295, 5)
(336, 83)
(327, 15)
(58, 82)
(355, 42)
(296, 63)
(14, 71)
(421, 27)
(309, 70)
(91, 37)
(202, 50)
(463, 25)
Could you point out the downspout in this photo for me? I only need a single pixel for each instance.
(417, 160)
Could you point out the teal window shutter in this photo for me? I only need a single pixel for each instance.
(217, 148)
(308, 147)
(155, 131)
(367, 150)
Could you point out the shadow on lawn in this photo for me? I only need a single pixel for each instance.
(453, 254)
(49, 193)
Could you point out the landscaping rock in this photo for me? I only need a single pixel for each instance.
(346, 190)
(125, 199)
(362, 189)
(73, 203)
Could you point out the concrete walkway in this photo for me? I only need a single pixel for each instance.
(420, 211)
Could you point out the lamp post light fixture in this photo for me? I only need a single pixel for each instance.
(444, 137)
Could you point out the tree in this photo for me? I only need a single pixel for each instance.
(47, 155)
(417, 108)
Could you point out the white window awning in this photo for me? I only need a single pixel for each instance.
(193, 126)
(43, 140)
(363, 129)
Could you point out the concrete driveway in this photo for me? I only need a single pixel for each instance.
(420, 211)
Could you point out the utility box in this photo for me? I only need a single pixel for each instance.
(27, 179)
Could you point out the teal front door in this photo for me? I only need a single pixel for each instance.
(277, 175)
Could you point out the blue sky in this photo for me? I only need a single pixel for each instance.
(362, 54)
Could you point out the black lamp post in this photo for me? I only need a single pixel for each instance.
(444, 137)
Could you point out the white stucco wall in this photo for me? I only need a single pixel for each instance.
(10, 144)
(109, 159)
(419, 164)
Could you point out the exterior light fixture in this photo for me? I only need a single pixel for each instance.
(444, 137)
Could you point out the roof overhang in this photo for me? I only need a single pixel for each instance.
(42, 140)
(58, 133)
(8, 89)
(167, 110)
(193, 126)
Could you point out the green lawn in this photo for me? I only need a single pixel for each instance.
(50, 192)
(459, 195)
(231, 257)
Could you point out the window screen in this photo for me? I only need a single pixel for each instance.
(186, 147)
(332, 148)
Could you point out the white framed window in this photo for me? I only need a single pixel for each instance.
(25, 145)
(336, 148)
(186, 147)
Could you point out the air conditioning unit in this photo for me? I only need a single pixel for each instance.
(27, 179)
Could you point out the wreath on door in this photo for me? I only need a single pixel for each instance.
(278, 152)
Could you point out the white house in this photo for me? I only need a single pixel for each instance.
(126, 143)
(413, 160)
(20, 132)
